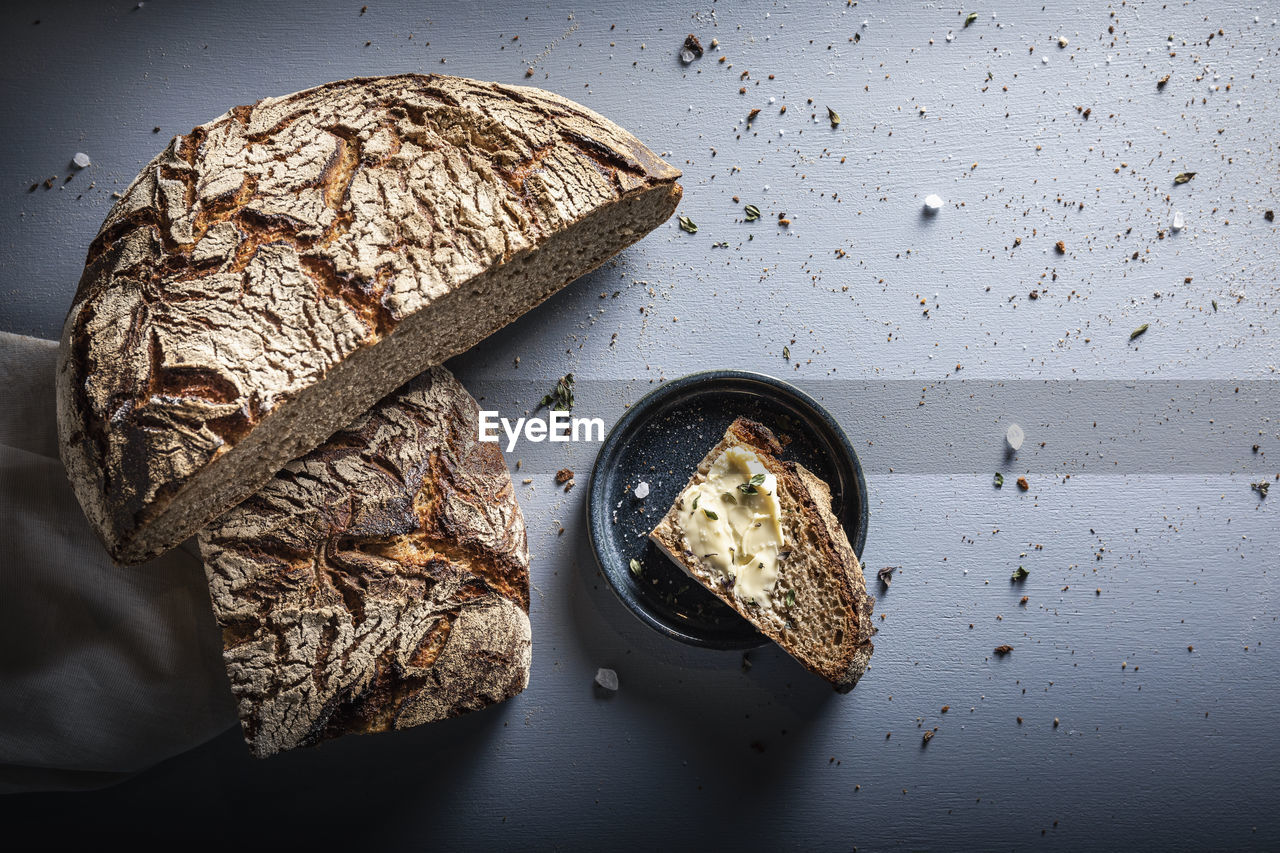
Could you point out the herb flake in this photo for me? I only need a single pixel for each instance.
(999, 479)
(561, 397)
(1140, 331)
(786, 353)
(751, 487)
(752, 212)
(970, 18)
(709, 514)
(834, 116)
(636, 567)
(1183, 177)
(687, 224)
(791, 598)
(1019, 574)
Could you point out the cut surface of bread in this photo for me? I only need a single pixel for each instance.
(759, 533)
(278, 270)
(379, 582)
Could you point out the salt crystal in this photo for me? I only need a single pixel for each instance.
(933, 202)
(950, 36)
(1044, 60)
(81, 160)
(1014, 436)
(607, 678)
(1178, 222)
(1062, 41)
(686, 56)
(642, 490)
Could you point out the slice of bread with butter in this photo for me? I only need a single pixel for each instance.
(759, 533)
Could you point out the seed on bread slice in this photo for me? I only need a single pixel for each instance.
(805, 592)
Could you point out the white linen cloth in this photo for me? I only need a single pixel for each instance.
(104, 670)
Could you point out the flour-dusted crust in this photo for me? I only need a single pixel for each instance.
(275, 272)
(379, 582)
(828, 628)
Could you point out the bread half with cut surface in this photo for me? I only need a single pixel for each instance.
(818, 610)
(377, 583)
(275, 272)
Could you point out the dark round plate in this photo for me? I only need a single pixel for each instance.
(660, 440)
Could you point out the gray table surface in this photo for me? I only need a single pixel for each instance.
(1138, 708)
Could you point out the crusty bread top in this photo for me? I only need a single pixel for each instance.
(379, 582)
(262, 249)
(828, 627)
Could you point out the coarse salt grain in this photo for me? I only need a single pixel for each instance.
(607, 678)
(1014, 436)
(642, 490)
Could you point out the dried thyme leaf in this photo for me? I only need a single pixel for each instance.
(687, 224)
(1261, 487)
(1019, 574)
(695, 502)
(786, 353)
(1183, 177)
(791, 598)
(709, 514)
(753, 212)
(1214, 303)
(561, 397)
(1141, 330)
(749, 487)
(636, 567)
(970, 18)
(999, 479)
(834, 116)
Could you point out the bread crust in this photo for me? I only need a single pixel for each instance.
(260, 253)
(379, 582)
(842, 663)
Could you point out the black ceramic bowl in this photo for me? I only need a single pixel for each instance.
(660, 441)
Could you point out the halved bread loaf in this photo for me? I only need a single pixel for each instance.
(816, 607)
(379, 582)
(277, 271)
